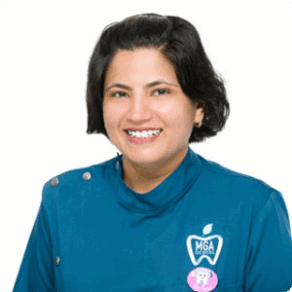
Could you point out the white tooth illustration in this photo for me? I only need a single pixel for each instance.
(204, 281)
(204, 239)
(204, 244)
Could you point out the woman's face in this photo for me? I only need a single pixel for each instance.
(146, 114)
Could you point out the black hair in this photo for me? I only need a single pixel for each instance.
(180, 42)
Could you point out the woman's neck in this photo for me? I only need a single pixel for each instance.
(143, 179)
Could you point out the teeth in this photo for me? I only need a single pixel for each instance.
(144, 134)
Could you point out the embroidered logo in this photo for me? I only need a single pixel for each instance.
(205, 247)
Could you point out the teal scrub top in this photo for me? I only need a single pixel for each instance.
(94, 233)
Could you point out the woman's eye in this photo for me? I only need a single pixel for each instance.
(160, 92)
(118, 94)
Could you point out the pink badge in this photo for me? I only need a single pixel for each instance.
(202, 279)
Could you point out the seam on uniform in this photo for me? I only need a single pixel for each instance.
(285, 211)
(256, 219)
(207, 165)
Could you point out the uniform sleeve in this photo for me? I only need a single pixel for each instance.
(37, 268)
(269, 265)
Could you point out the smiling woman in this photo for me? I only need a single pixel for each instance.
(147, 103)
(159, 217)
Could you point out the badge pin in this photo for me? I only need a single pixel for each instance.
(202, 280)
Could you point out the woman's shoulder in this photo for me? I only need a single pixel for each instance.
(239, 188)
(235, 181)
(79, 178)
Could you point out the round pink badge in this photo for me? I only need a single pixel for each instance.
(202, 279)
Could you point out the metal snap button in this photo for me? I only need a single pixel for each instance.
(86, 175)
(54, 181)
(57, 260)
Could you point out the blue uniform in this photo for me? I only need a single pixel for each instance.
(94, 233)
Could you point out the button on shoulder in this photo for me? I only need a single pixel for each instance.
(86, 175)
(72, 180)
(54, 181)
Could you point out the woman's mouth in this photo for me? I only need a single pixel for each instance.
(142, 137)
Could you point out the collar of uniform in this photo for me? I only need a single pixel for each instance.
(167, 192)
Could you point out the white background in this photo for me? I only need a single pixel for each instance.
(45, 47)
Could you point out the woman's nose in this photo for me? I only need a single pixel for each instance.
(139, 110)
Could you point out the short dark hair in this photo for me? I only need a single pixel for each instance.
(180, 42)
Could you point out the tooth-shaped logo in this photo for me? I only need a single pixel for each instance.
(204, 246)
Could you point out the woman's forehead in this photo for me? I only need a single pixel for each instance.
(140, 66)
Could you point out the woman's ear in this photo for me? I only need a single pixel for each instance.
(199, 114)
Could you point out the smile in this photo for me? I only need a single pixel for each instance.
(143, 137)
(143, 134)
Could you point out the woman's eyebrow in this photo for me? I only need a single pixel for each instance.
(149, 85)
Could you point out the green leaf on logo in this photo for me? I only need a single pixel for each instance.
(207, 229)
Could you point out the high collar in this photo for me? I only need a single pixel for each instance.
(166, 193)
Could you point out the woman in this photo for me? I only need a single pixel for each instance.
(159, 217)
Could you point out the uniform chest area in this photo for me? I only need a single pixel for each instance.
(103, 247)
